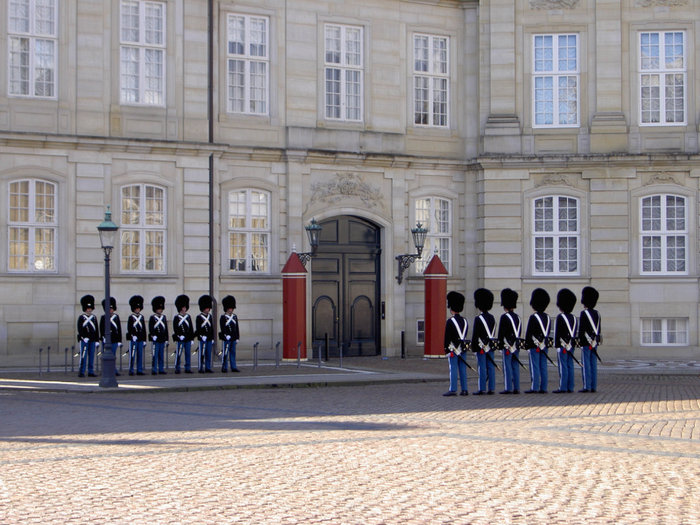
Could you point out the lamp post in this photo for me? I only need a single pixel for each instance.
(405, 260)
(108, 234)
(313, 229)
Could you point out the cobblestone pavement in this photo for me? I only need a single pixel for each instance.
(371, 454)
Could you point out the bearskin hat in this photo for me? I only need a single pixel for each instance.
(112, 303)
(509, 298)
(228, 302)
(182, 301)
(566, 300)
(539, 299)
(589, 297)
(205, 302)
(87, 301)
(158, 303)
(483, 299)
(455, 301)
(136, 301)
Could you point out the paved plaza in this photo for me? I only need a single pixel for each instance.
(365, 453)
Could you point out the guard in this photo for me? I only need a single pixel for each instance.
(229, 334)
(115, 329)
(537, 341)
(565, 340)
(136, 334)
(205, 332)
(484, 341)
(589, 338)
(183, 333)
(158, 334)
(456, 344)
(509, 341)
(88, 335)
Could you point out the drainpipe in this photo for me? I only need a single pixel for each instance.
(210, 117)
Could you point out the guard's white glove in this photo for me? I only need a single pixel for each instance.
(204, 338)
(182, 338)
(86, 340)
(134, 338)
(228, 337)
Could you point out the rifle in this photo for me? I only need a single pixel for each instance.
(132, 353)
(568, 346)
(593, 345)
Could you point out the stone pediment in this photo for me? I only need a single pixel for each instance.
(346, 186)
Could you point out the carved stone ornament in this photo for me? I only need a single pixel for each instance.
(556, 179)
(553, 4)
(661, 178)
(654, 3)
(345, 185)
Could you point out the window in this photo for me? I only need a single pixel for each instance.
(435, 215)
(32, 226)
(420, 331)
(664, 234)
(662, 78)
(556, 81)
(143, 228)
(343, 72)
(657, 332)
(248, 64)
(142, 52)
(556, 235)
(249, 231)
(32, 32)
(430, 80)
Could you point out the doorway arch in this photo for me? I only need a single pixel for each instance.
(345, 287)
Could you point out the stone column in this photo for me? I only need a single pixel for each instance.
(435, 307)
(608, 126)
(293, 308)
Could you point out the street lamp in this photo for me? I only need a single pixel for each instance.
(313, 229)
(108, 235)
(407, 259)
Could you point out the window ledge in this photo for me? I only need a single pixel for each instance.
(644, 279)
(29, 276)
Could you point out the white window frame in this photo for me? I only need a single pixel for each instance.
(558, 76)
(142, 228)
(249, 232)
(250, 58)
(34, 37)
(664, 234)
(431, 216)
(420, 332)
(663, 331)
(557, 236)
(433, 71)
(146, 43)
(349, 73)
(663, 73)
(36, 262)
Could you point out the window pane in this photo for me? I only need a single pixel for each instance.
(237, 209)
(44, 202)
(130, 68)
(421, 100)
(19, 66)
(154, 22)
(154, 251)
(155, 206)
(568, 254)
(651, 253)
(259, 210)
(259, 248)
(544, 254)
(544, 215)
(420, 53)
(19, 201)
(19, 249)
(332, 44)
(153, 67)
(45, 17)
(130, 21)
(131, 198)
(44, 249)
(332, 93)
(44, 68)
(19, 16)
(544, 53)
(236, 35)
(237, 252)
(130, 250)
(258, 37)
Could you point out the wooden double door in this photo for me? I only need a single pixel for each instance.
(345, 287)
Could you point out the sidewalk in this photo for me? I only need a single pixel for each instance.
(355, 371)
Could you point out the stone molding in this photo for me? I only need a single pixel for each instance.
(553, 4)
(655, 3)
(345, 185)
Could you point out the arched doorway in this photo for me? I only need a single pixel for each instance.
(345, 287)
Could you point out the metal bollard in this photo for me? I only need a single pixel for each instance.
(325, 339)
(342, 345)
(277, 354)
(40, 351)
(65, 360)
(48, 359)
(255, 355)
(319, 354)
(403, 344)
(72, 358)
(299, 354)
